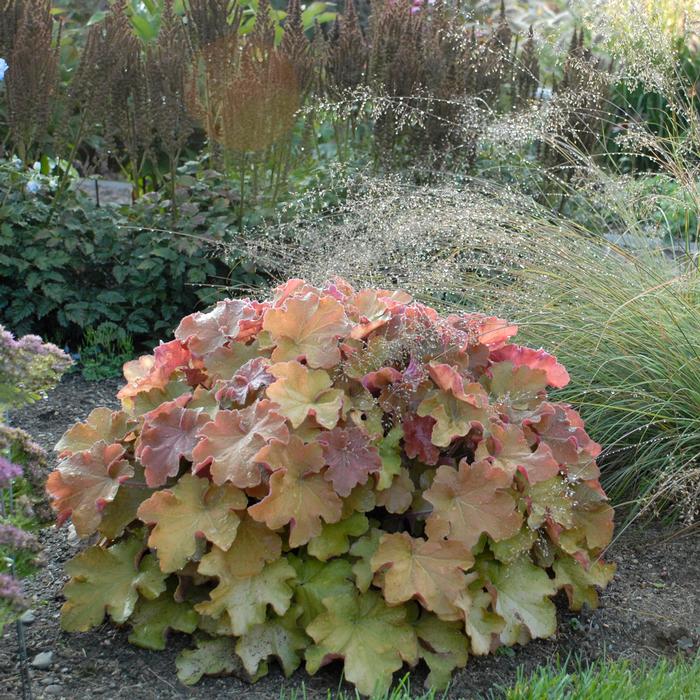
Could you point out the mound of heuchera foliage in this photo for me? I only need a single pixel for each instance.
(331, 475)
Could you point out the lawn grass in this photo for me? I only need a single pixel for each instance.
(616, 680)
(666, 680)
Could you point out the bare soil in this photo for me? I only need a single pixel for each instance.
(651, 609)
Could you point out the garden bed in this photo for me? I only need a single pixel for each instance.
(651, 609)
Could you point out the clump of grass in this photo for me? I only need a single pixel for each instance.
(603, 680)
(620, 680)
(625, 325)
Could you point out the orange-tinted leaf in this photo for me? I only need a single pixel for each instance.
(432, 571)
(399, 496)
(302, 392)
(192, 508)
(561, 429)
(232, 440)
(471, 501)
(521, 356)
(455, 415)
(85, 482)
(225, 361)
(509, 450)
(102, 424)
(154, 371)
(299, 495)
(308, 327)
(247, 380)
(232, 319)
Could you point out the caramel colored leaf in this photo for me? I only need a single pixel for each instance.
(236, 319)
(301, 392)
(122, 510)
(399, 496)
(85, 482)
(230, 443)
(455, 415)
(193, 508)
(102, 424)
(471, 501)
(299, 495)
(153, 371)
(580, 583)
(308, 328)
(510, 451)
(592, 521)
(373, 640)
(225, 362)
(432, 571)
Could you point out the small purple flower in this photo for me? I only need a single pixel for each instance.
(8, 471)
(3, 68)
(11, 591)
(32, 187)
(16, 538)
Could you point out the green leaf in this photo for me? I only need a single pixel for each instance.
(373, 639)
(390, 454)
(108, 580)
(212, 657)
(245, 598)
(280, 637)
(443, 646)
(316, 581)
(523, 593)
(334, 539)
(364, 549)
(153, 618)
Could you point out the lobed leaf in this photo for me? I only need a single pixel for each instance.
(230, 443)
(301, 392)
(372, 638)
(192, 509)
(307, 328)
(108, 581)
(432, 571)
(169, 433)
(470, 501)
(298, 494)
(85, 482)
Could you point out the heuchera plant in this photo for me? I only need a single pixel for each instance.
(334, 474)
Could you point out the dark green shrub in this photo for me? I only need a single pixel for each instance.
(118, 264)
